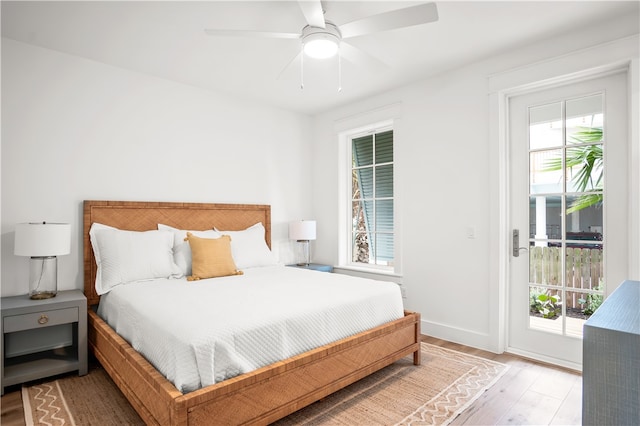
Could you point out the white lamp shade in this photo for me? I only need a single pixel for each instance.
(302, 230)
(42, 239)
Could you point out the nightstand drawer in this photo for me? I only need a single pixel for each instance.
(40, 319)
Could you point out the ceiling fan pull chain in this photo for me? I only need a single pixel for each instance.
(339, 70)
(302, 68)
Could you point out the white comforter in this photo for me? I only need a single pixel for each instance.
(202, 332)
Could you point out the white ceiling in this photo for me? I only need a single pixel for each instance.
(167, 39)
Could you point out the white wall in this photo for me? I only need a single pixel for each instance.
(75, 129)
(446, 153)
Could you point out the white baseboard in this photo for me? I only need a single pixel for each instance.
(462, 336)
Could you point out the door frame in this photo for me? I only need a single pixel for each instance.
(499, 114)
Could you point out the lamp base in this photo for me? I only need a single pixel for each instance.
(307, 253)
(42, 296)
(43, 277)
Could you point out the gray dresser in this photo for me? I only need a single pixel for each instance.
(611, 360)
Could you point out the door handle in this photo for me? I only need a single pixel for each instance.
(516, 243)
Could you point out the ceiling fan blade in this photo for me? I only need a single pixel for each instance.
(286, 67)
(407, 17)
(313, 13)
(243, 33)
(360, 58)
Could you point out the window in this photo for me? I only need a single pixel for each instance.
(371, 211)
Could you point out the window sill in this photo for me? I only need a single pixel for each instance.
(368, 273)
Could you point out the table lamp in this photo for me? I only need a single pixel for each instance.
(303, 231)
(43, 242)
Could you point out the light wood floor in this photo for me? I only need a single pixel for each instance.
(529, 393)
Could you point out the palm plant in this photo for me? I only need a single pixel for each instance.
(589, 177)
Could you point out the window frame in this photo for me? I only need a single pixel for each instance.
(345, 253)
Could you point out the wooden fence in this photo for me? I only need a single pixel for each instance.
(584, 269)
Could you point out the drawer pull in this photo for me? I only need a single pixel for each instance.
(43, 319)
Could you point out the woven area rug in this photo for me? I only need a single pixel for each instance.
(78, 400)
(433, 393)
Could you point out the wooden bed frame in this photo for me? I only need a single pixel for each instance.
(259, 397)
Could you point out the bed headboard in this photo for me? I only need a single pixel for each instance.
(145, 216)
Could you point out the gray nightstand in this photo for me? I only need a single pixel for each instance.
(314, 267)
(43, 338)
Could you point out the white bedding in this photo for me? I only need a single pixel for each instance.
(202, 332)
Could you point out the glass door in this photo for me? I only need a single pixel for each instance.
(564, 143)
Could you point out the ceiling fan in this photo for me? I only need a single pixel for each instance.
(321, 38)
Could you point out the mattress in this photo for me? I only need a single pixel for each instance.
(199, 333)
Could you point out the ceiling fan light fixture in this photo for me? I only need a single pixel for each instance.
(321, 48)
(321, 43)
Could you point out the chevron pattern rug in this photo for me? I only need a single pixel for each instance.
(433, 393)
(78, 401)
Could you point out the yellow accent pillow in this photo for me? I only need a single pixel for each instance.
(211, 258)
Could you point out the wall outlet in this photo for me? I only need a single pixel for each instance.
(471, 232)
(403, 291)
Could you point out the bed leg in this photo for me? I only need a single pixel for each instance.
(418, 353)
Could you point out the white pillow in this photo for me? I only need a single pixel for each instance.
(249, 248)
(129, 256)
(181, 248)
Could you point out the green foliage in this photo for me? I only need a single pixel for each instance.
(592, 302)
(591, 160)
(545, 304)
